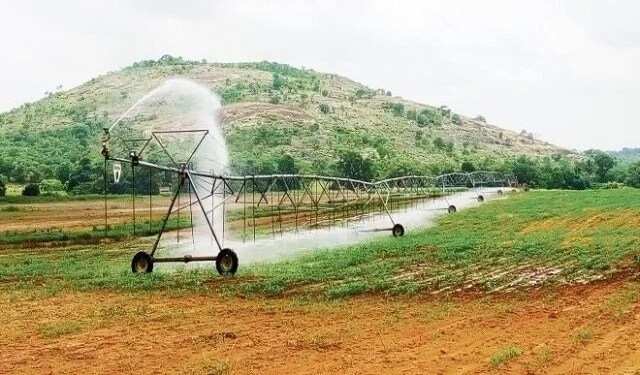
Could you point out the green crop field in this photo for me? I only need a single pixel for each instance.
(529, 239)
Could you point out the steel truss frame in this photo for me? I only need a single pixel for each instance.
(301, 195)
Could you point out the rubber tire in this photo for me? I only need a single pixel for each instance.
(142, 263)
(222, 255)
(452, 209)
(500, 192)
(480, 198)
(398, 230)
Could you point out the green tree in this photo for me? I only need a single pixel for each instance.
(633, 175)
(286, 165)
(31, 190)
(351, 164)
(525, 170)
(467, 166)
(602, 162)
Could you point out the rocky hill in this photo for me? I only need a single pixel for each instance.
(269, 110)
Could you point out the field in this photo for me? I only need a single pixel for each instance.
(539, 282)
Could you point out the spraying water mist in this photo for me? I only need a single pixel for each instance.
(182, 119)
(181, 105)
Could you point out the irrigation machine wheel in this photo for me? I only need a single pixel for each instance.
(142, 263)
(500, 192)
(480, 198)
(398, 230)
(227, 262)
(452, 209)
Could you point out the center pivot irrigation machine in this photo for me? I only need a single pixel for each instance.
(258, 204)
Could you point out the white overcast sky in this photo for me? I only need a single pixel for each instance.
(569, 71)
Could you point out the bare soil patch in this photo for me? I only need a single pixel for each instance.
(576, 330)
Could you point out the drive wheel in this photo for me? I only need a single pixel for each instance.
(227, 262)
(398, 230)
(142, 263)
(452, 209)
(480, 198)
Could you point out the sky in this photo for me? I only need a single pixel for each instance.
(563, 70)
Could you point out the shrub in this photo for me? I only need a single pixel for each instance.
(51, 186)
(3, 187)
(439, 143)
(412, 114)
(398, 109)
(325, 93)
(31, 190)
(233, 93)
(324, 108)
(428, 117)
(456, 119)
(278, 81)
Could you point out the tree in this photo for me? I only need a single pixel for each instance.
(31, 190)
(3, 187)
(286, 165)
(633, 175)
(351, 164)
(603, 163)
(467, 166)
(524, 170)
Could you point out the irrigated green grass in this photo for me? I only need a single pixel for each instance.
(587, 232)
(582, 233)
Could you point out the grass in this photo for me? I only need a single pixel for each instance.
(61, 328)
(21, 199)
(214, 367)
(620, 305)
(584, 335)
(505, 355)
(586, 233)
(88, 235)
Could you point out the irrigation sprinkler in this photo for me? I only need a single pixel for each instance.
(279, 202)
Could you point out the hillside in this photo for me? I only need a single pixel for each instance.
(269, 110)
